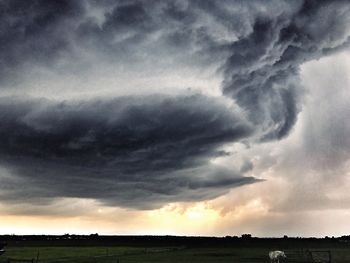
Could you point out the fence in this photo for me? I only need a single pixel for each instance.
(320, 256)
(293, 256)
(17, 260)
(309, 256)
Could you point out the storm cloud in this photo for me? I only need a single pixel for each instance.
(262, 72)
(129, 151)
(159, 146)
(34, 32)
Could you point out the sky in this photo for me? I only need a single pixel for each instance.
(180, 117)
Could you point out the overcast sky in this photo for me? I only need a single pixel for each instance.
(184, 117)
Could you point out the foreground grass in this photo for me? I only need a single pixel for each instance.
(66, 253)
(152, 255)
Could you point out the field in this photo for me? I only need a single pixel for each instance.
(239, 252)
(131, 255)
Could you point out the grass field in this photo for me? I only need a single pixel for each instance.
(154, 255)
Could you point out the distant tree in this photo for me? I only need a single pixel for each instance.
(94, 236)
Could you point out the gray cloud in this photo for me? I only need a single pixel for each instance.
(261, 45)
(137, 152)
(262, 72)
(246, 166)
(158, 146)
(35, 32)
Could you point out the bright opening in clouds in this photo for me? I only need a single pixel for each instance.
(175, 117)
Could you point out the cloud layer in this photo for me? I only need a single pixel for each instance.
(144, 151)
(137, 152)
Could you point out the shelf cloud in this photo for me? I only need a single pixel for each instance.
(143, 151)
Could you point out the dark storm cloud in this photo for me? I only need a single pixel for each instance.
(261, 44)
(159, 147)
(262, 72)
(137, 152)
(35, 32)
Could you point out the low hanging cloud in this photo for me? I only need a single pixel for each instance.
(144, 151)
(136, 152)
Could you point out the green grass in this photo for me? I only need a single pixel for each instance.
(152, 255)
(202, 255)
(50, 253)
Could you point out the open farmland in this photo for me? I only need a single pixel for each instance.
(171, 249)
